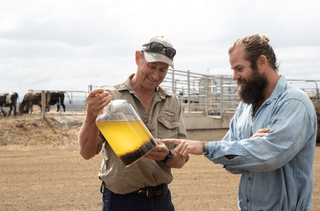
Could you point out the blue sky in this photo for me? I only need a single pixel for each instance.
(68, 45)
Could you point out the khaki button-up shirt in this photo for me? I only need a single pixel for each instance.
(164, 121)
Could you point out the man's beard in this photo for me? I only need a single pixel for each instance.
(251, 90)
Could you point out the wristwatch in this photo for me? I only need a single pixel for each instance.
(168, 158)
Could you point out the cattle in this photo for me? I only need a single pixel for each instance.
(9, 100)
(194, 98)
(58, 98)
(314, 98)
(33, 98)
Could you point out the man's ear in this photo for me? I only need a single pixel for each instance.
(138, 56)
(262, 62)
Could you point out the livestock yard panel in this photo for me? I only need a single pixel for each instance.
(214, 94)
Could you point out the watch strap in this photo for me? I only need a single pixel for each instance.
(170, 155)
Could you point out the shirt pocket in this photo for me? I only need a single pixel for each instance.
(168, 129)
(166, 126)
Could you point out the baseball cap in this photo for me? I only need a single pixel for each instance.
(161, 55)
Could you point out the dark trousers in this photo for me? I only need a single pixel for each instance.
(135, 202)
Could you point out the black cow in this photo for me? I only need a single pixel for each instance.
(55, 100)
(194, 98)
(9, 100)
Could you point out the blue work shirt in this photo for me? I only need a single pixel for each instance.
(277, 169)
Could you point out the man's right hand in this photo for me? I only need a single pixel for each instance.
(89, 132)
(97, 100)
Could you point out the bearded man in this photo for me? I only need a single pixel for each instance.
(276, 162)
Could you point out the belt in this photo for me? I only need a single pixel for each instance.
(152, 191)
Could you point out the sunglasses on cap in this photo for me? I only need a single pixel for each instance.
(158, 47)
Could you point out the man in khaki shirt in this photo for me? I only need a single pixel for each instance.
(143, 184)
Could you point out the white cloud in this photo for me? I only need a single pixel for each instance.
(72, 44)
(299, 52)
(9, 21)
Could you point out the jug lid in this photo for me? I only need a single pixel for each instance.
(115, 103)
(118, 110)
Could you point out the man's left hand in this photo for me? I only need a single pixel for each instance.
(185, 147)
(158, 153)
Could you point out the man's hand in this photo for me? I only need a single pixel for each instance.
(185, 147)
(159, 152)
(195, 147)
(97, 100)
(260, 133)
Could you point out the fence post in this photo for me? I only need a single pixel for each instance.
(317, 93)
(188, 75)
(43, 104)
(72, 102)
(60, 106)
(221, 96)
(206, 85)
(173, 83)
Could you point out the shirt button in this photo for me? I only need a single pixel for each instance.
(249, 178)
(247, 200)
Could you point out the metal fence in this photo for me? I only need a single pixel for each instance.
(208, 94)
(212, 94)
(217, 94)
(312, 92)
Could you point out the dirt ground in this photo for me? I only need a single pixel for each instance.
(41, 169)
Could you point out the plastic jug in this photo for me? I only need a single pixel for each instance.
(125, 132)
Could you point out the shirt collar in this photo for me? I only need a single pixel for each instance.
(279, 89)
(162, 93)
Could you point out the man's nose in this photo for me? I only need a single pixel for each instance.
(155, 74)
(235, 76)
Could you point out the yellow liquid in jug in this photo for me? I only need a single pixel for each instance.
(125, 136)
